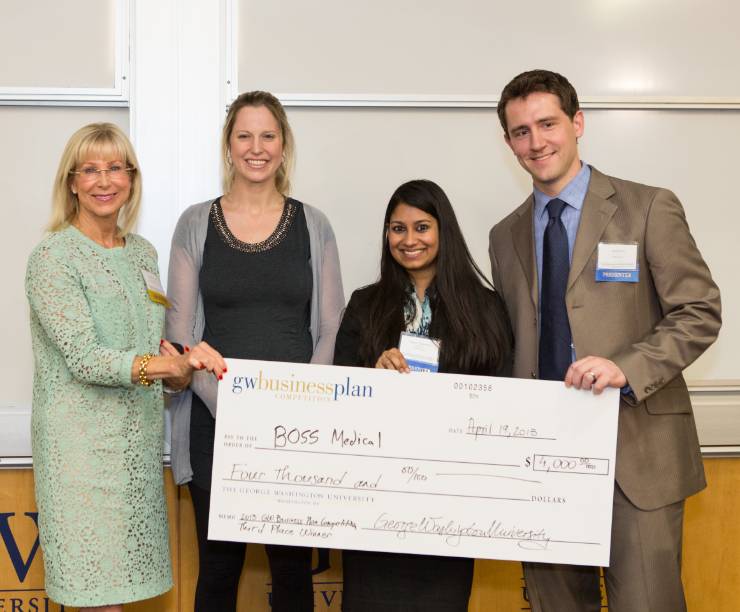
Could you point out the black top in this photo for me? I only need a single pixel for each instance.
(395, 582)
(257, 305)
(357, 313)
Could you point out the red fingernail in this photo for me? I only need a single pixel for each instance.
(201, 366)
(161, 342)
(187, 348)
(220, 377)
(226, 370)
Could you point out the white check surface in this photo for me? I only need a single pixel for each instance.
(438, 464)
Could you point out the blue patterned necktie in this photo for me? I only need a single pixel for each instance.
(555, 339)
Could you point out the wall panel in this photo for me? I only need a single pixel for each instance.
(617, 50)
(64, 53)
(711, 571)
(351, 159)
(81, 35)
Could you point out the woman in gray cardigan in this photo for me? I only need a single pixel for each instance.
(256, 274)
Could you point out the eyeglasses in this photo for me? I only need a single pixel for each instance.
(115, 172)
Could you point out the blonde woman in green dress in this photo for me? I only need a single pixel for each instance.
(97, 423)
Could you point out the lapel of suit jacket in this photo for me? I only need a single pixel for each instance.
(522, 234)
(595, 216)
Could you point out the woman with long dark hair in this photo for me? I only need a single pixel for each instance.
(429, 285)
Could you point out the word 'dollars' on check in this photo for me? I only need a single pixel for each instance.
(427, 463)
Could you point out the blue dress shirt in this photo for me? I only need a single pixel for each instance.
(573, 194)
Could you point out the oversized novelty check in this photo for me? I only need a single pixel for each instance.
(440, 464)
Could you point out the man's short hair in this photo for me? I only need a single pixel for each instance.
(544, 81)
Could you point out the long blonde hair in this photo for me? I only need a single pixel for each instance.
(105, 140)
(271, 103)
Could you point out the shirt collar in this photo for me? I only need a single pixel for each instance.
(573, 194)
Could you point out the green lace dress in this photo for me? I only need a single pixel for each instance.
(96, 437)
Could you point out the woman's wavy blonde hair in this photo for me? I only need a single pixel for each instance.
(271, 103)
(101, 140)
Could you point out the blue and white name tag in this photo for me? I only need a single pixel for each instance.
(420, 352)
(617, 263)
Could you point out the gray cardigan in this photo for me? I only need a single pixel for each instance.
(185, 320)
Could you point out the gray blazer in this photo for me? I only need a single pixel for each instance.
(185, 320)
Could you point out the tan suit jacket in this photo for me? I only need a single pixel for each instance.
(652, 329)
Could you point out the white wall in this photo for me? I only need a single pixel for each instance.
(58, 44)
(357, 79)
(613, 48)
(350, 161)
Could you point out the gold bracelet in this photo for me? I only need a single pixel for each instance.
(143, 380)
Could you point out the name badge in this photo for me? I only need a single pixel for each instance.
(420, 352)
(154, 289)
(617, 263)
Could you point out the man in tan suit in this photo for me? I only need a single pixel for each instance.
(632, 305)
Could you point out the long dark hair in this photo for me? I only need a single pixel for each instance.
(467, 318)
